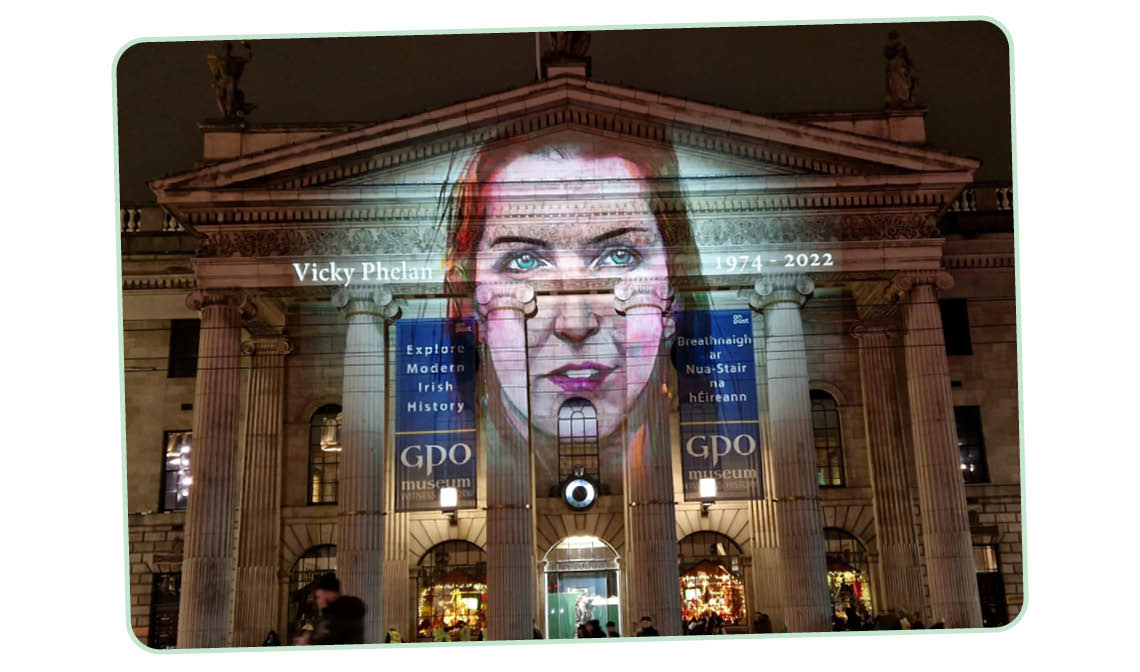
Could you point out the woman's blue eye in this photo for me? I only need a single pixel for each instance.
(618, 257)
(523, 262)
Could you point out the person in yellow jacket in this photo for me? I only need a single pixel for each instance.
(393, 636)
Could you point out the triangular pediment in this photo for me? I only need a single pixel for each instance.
(708, 141)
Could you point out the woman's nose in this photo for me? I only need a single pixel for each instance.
(575, 319)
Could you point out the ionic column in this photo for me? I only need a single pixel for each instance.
(259, 532)
(510, 529)
(360, 500)
(203, 611)
(767, 586)
(655, 584)
(941, 492)
(794, 485)
(901, 584)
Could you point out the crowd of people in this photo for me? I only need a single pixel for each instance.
(851, 619)
(341, 621)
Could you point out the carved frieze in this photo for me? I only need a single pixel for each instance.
(428, 238)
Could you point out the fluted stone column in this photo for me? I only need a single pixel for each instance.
(901, 574)
(360, 500)
(767, 586)
(397, 596)
(203, 611)
(510, 527)
(950, 569)
(655, 587)
(794, 485)
(259, 532)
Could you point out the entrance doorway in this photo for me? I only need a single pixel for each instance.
(848, 574)
(581, 585)
(712, 585)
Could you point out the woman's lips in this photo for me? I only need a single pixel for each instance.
(581, 377)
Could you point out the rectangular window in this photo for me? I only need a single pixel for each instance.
(164, 594)
(956, 326)
(183, 361)
(175, 470)
(991, 587)
(971, 448)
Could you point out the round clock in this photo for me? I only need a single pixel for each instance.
(579, 493)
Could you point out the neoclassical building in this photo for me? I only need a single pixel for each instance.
(809, 403)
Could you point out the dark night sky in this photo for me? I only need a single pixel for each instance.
(963, 70)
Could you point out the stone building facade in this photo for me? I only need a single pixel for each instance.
(886, 382)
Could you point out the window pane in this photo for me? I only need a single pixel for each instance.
(324, 454)
(971, 448)
(956, 326)
(183, 357)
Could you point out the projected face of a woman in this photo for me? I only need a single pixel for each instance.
(578, 346)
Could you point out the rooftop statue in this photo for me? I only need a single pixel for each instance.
(901, 80)
(569, 44)
(226, 71)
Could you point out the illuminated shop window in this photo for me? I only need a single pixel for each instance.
(183, 358)
(828, 439)
(848, 573)
(313, 563)
(451, 589)
(712, 583)
(324, 454)
(164, 594)
(971, 448)
(175, 470)
(577, 439)
(581, 585)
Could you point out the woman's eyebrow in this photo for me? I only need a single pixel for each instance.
(617, 232)
(520, 239)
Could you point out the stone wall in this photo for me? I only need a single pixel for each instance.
(154, 546)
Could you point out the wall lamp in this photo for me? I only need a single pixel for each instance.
(449, 504)
(707, 494)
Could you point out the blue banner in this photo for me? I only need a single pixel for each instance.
(720, 427)
(435, 412)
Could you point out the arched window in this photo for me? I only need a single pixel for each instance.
(828, 439)
(581, 585)
(313, 563)
(848, 574)
(577, 439)
(712, 579)
(451, 586)
(324, 454)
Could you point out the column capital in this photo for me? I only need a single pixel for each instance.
(267, 345)
(902, 283)
(868, 330)
(516, 296)
(642, 292)
(374, 300)
(204, 298)
(781, 288)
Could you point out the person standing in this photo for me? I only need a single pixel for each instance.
(646, 629)
(342, 616)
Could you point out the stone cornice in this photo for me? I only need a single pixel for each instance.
(143, 282)
(404, 239)
(972, 261)
(924, 193)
